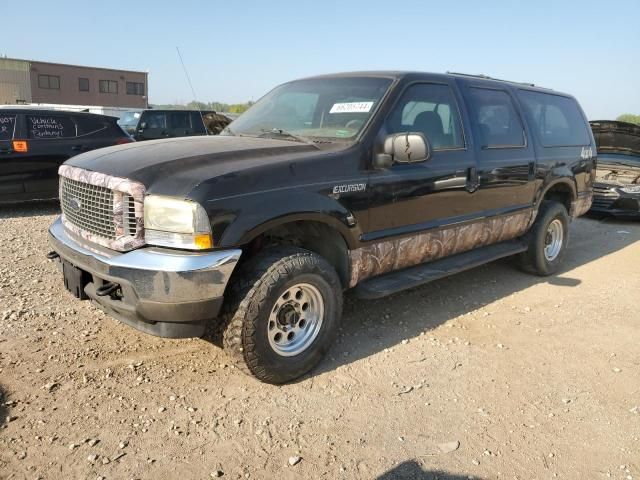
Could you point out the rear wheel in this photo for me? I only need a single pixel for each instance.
(282, 315)
(547, 240)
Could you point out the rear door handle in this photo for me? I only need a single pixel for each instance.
(77, 148)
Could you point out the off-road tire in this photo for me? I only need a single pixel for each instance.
(533, 260)
(252, 296)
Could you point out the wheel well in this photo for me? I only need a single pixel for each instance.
(562, 193)
(314, 236)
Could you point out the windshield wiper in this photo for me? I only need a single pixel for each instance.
(283, 133)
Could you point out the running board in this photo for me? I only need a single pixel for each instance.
(411, 277)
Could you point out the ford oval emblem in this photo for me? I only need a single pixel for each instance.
(75, 204)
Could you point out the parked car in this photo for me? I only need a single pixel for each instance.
(378, 181)
(617, 187)
(155, 124)
(35, 142)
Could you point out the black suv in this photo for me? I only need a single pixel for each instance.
(377, 181)
(156, 124)
(617, 187)
(34, 143)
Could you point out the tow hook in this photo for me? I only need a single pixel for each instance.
(107, 289)
(52, 255)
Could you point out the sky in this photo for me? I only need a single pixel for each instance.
(236, 50)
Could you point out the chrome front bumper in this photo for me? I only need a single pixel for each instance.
(164, 292)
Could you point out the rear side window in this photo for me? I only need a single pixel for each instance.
(498, 121)
(180, 120)
(557, 119)
(50, 126)
(87, 125)
(7, 126)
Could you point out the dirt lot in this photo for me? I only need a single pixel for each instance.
(489, 374)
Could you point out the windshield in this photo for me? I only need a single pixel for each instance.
(129, 119)
(329, 108)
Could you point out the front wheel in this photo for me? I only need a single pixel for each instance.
(283, 314)
(547, 240)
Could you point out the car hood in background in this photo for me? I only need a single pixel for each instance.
(616, 137)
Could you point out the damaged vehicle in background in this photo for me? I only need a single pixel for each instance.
(157, 124)
(617, 187)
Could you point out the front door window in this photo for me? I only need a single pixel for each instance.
(429, 109)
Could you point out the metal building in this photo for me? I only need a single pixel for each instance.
(33, 82)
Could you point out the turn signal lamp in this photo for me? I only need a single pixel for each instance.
(20, 146)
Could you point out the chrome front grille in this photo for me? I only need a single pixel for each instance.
(88, 207)
(129, 213)
(604, 191)
(603, 197)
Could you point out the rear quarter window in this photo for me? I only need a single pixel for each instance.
(7, 126)
(50, 126)
(557, 120)
(87, 125)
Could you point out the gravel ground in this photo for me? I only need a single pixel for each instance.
(489, 374)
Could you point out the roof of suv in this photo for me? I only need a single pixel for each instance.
(399, 74)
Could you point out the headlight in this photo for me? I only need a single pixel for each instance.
(631, 189)
(172, 222)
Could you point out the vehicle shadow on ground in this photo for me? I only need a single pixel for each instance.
(4, 410)
(29, 209)
(370, 326)
(411, 470)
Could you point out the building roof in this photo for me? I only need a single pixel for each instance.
(73, 66)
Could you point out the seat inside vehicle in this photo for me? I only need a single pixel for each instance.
(429, 112)
(430, 124)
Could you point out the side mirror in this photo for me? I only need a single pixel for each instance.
(143, 125)
(406, 147)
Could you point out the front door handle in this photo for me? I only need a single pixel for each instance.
(77, 148)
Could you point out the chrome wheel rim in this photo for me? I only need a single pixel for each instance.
(553, 240)
(295, 320)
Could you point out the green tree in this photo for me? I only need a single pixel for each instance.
(215, 106)
(197, 106)
(629, 117)
(239, 107)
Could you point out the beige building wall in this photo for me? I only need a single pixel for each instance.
(15, 82)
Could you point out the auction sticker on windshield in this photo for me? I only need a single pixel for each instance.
(351, 107)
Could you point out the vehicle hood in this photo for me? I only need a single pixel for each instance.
(616, 137)
(176, 166)
(619, 173)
